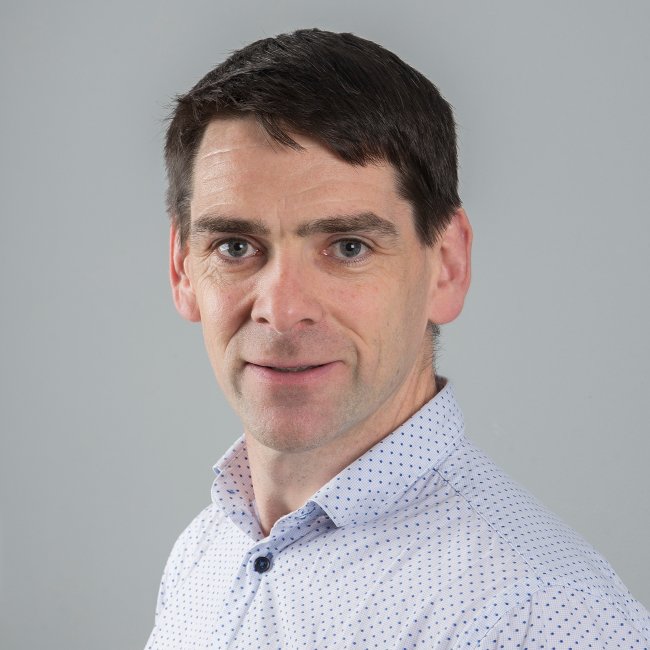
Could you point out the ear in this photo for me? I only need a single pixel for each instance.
(452, 275)
(182, 290)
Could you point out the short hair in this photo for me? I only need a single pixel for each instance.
(350, 94)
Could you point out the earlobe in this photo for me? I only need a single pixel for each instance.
(452, 274)
(182, 290)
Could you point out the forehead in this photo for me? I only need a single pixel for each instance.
(239, 169)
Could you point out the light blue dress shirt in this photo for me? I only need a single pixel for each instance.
(423, 542)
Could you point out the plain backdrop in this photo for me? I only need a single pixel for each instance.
(111, 417)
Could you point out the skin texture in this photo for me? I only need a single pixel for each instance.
(292, 298)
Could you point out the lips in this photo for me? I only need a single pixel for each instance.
(304, 374)
(296, 369)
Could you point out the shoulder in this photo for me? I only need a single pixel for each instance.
(188, 550)
(559, 617)
(570, 582)
(197, 535)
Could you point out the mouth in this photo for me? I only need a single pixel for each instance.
(293, 375)
(296, 369)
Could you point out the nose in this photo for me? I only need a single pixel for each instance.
(286, 296)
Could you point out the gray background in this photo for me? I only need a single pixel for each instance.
(111, 418)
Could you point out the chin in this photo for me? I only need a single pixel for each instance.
(295, 432)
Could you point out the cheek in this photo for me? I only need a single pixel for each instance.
(223, 310)
(389, 315)
(370, 312)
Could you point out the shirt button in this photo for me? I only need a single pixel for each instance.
(262, 564)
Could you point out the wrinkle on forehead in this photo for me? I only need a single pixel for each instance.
(230, 149)
(320, 177)
(239, 168)
(224, 135)
(276, 148)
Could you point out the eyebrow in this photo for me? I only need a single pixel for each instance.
(215, 224)
(366, 222)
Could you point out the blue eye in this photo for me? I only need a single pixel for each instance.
(348, 248)
(236, 248)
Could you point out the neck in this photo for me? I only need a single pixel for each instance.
(284, 481)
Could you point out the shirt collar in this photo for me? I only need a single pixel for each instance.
(372, 485)
(376, 483)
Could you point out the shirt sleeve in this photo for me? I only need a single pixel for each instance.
(570, 620)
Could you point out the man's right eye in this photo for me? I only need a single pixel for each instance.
(236, 249)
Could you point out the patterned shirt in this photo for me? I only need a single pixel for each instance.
(423, 542)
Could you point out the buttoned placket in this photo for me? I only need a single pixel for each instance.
(307, 521)
(335, 505)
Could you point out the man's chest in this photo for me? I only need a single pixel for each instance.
(390, 584)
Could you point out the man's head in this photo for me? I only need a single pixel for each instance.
(351, 95)
(316, 232)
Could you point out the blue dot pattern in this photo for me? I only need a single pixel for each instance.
(423, 542)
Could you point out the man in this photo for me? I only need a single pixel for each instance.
(317, 234)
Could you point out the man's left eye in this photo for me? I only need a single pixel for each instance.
(348, 248)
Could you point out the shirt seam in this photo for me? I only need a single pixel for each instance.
(543, 583)
(567, 596)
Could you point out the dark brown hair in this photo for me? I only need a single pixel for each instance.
(352, 95)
